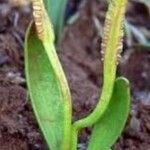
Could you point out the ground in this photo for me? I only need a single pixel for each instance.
(79, 52)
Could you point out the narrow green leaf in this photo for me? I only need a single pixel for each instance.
(49, 93)
(56, 11)
(109, 127)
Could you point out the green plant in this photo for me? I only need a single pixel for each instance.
(56, 11)
(49, 91)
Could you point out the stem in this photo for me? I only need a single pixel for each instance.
(100, 108)
(74, 139)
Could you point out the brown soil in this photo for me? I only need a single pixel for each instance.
(18, 128)
(79, 52)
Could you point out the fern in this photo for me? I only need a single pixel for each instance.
(49, 91)
(46, 81)
(111, 49)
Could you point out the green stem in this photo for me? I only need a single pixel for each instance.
(100, 108)
(95, 115)
(74, 139)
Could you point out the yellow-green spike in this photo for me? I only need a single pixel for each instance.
(43, 25)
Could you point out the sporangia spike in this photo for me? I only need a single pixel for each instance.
(108, 27)
(38, 14)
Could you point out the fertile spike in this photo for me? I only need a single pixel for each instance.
(108, 28)
(38, 14)
(111, 47)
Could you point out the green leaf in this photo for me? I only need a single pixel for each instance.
(48, 91)
(109, 126)
(56, 11)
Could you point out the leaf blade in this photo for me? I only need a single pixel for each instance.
(109, 127)
(47, 96)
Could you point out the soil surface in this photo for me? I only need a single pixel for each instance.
(79, 52)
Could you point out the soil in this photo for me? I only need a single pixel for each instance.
(79, 52)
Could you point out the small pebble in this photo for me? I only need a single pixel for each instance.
(15, 78)
(135, 124)
(82, 146)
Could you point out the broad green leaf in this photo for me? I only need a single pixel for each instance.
(51, 107)
(48, 87)
(56, 11)
(109, 126)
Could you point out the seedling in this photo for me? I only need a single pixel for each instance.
(50, 94)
